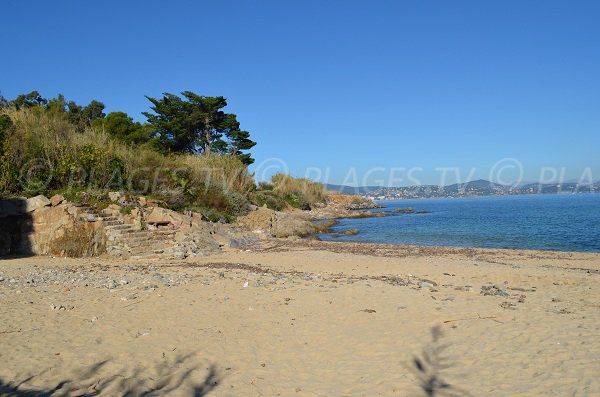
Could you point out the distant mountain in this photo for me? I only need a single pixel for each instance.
(351, 189)
(478, 187)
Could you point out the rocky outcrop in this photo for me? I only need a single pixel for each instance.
(37, 202)
(34, 227)
(278, 224)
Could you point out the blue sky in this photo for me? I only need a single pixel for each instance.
(355, 92)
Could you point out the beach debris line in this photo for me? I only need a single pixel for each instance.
(474, 318)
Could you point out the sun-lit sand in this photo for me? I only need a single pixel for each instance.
(304, 319)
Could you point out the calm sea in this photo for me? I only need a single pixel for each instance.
(569, 222)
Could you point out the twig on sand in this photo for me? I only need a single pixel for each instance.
(134, 303)
(11, 332)
(18, 330)
(475, 318)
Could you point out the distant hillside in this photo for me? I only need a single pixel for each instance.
(478, 187)
(350, 189)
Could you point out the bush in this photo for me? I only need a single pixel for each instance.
(57, 155)
(299, 192)
(269, 198)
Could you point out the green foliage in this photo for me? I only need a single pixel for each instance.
(28, 100)
(126, 210)
(122, 127)
(55, 145)
(299, 192)
(197, 125)
(34, 187)
(101, 168)
(8, 173)
(269, 198)
(286, 191)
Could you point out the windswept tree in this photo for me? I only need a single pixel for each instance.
(198, 125)
(28, 100)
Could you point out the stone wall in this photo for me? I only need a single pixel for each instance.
(38, 226)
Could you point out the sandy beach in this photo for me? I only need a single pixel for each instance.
(304, 318)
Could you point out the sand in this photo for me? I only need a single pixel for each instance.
(304, 319)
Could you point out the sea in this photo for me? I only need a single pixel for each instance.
(557, 222)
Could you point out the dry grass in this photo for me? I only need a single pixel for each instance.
(77, 160)
(286, 185)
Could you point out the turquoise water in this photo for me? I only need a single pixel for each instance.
(569, 222)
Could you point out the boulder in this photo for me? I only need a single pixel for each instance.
(278, 224)
(164, 217)
(141, 200)
(35, 203)
(56, 199)
(114, 196)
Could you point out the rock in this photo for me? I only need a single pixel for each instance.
(112, 284)
(1, 278)
(162, 217)
(246, 284)
(492, 290)
(142, 201)
(360, 203)
(37, 202)
(124, 281)
(425, 284)
(278, 224)
(408, 210)
(114, 196)
(56, 199)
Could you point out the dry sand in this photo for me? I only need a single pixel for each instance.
(316, 319)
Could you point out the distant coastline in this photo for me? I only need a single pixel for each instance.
(470, 189)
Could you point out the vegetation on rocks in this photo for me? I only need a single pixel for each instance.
(189, 155)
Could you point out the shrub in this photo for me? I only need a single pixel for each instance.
(299, 192)
(85, 163)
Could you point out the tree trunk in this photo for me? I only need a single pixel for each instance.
(207, 135)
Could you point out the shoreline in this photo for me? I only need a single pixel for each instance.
(449, 247)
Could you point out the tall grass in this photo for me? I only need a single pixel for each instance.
(284, 184)
(286, 190)
(44, 152)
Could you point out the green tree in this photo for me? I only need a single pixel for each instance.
(122, 127)
(28, 100)
(197, 124)
(175, 130)
(57, 105)
(83, 116)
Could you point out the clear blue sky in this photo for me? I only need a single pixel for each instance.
(340, 85)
